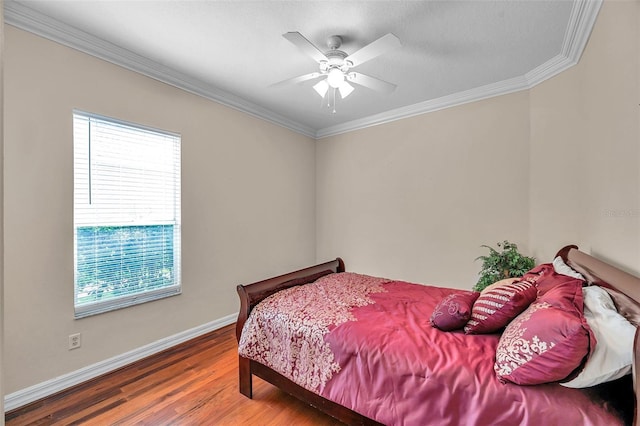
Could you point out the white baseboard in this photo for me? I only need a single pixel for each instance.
(44, 389)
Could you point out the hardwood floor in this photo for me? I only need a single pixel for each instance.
(195, 383)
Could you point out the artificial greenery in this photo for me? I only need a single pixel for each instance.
(506, 263)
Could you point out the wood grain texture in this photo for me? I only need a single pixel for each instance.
(194, 383)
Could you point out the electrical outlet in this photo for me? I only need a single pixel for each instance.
(75, 341)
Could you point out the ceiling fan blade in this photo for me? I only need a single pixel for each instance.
(373, 49)
(296, 80)
(371, 82)
(305, 46)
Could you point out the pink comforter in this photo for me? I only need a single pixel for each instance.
(367, 344)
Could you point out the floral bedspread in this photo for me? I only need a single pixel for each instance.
(366, 343)
(286, 331)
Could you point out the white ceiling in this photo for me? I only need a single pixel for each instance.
(232, 51)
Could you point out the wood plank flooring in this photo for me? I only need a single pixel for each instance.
(195, 383)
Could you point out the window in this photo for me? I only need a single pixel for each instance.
(126, 214)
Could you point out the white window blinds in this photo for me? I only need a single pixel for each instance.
(126, 214)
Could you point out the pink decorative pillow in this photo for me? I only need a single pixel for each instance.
(543, 344)
(548, 342)
(549, 280)
(453, 311)
(538, 273)
(498, 304)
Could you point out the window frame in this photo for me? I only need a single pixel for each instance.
(127, 300)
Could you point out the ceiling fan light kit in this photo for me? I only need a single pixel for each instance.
(321, 87)
(335, 77)
(335, 66)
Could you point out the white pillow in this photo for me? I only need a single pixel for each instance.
(613, 355)
(563, 269)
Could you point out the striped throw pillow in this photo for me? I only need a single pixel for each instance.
(498, 304)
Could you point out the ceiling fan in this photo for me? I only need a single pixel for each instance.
(335, 66)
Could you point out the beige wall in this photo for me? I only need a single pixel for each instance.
(585, 146)
(415, 199)
(1, 212)
(247, 206)
(558, 164)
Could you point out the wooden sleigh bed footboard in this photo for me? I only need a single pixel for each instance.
(595, 271)
(250, 296)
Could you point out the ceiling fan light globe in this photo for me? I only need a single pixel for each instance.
(321, 88)
(335, 77)
(345, 89)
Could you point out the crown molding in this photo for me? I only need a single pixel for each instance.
(581, 21)
(460, 98)
(27, 19)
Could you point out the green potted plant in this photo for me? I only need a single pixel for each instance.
(506, 263)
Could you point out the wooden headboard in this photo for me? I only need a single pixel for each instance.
(599, 273)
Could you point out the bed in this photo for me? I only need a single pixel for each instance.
(410, 372)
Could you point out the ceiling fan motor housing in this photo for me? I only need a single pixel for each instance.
(334, 42)
(335, 59)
